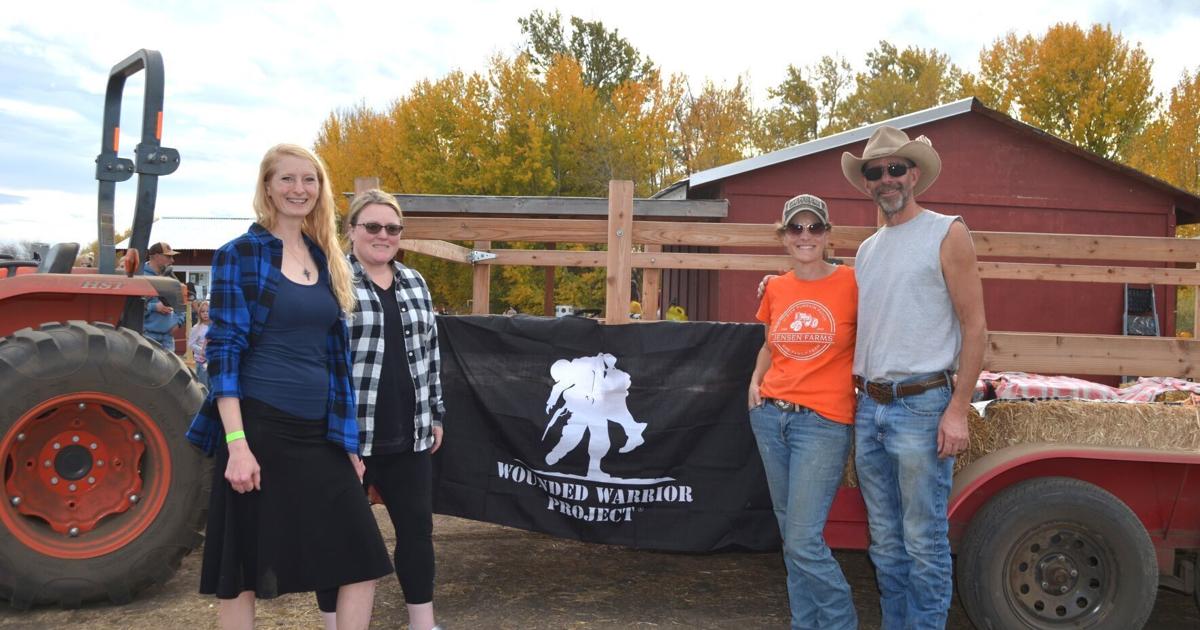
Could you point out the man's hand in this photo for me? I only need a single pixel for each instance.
(163, 308)
(242, 472)
(953, 434)
(762, 285)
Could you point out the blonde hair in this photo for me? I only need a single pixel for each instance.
(320, 225)
(368, 197)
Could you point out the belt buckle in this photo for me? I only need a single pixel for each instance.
(782, 405)
(881, 392)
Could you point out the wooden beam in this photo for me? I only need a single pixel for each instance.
(651, 285)
(619, 272)
(547, 258)
(577, 206)
(481, 284)
(1087, 273)
(1050, 353)
(363, 184)
(437, 249)
(1008, 244)
(493, 229)
(745, 262)
(1087, 247)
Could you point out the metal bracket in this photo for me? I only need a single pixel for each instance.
(478, 256)
(111, 168)
(153, 160)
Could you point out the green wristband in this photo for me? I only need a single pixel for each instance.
(235, 436)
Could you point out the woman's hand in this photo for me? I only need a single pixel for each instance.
(242, 472)
(360, 468)
(437, 440)
(755, 399)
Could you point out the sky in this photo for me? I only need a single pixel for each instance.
(242, 76)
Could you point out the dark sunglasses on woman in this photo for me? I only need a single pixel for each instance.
(393, 229)
(875, 173)
(816, 229)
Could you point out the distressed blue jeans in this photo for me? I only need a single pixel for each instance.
(906, 489)
(804, 456)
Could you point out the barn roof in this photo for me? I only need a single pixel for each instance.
(1187, 200)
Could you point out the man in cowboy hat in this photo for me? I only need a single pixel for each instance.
(161, 319)
(921, 330)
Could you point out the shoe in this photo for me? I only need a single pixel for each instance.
(634, 438)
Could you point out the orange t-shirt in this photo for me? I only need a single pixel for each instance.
(810, 330)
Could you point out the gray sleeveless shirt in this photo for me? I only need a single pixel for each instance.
(906, 322)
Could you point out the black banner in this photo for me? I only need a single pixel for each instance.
(634, 435)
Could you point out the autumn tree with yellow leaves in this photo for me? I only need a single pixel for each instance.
(1089, 88)
(580, 105)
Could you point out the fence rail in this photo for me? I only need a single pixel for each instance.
(1041, 257)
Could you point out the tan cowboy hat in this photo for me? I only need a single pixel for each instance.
(890, 141)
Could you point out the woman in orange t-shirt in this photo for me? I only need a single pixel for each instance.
(802, 408)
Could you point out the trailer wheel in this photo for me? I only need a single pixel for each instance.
(102, 495)
(1057, 552)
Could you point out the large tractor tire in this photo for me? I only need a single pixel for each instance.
(1056, 553)
(102, 494)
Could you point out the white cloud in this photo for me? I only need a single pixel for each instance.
(41, 113)
(241, 77)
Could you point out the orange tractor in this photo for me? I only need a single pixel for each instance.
(101, 493)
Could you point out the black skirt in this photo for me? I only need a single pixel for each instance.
(310, 527)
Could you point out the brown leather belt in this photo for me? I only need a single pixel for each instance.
(886, 392)
(784, 405)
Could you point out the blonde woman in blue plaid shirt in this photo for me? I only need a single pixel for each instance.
(287, 513)
(394, 351)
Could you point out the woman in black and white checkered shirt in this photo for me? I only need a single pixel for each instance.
(394, 349)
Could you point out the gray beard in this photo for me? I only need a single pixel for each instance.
(891, 208)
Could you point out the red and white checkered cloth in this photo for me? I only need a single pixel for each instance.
(1023, 386)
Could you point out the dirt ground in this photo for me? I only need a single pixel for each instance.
(495, 577)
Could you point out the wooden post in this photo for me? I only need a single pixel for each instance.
(481, 283)
(362, 184)
(1196, 310)
(620, 252)
(548, 293)
(651, 282)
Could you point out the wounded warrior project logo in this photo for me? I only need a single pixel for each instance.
(804, 331)
(588, 394)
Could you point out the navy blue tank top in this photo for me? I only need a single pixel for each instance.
(287, 367)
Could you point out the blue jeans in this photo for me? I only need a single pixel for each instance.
(804, 456)
(906, 489)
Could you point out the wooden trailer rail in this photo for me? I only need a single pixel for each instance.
(638, 244)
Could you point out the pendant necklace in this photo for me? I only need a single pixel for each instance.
(299, 261)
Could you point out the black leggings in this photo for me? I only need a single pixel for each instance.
(405, 482)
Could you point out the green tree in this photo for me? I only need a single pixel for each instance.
(896, 83)
(808, 100)
(1087, 87)
(607, 59)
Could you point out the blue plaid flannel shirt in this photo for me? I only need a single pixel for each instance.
(245, 279)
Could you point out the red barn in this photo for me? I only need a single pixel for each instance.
(998, 173)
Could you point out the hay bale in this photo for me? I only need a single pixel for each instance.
(1136, 425)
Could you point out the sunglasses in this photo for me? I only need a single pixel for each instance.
(393, 229)
(895, 169)
(816, 229)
